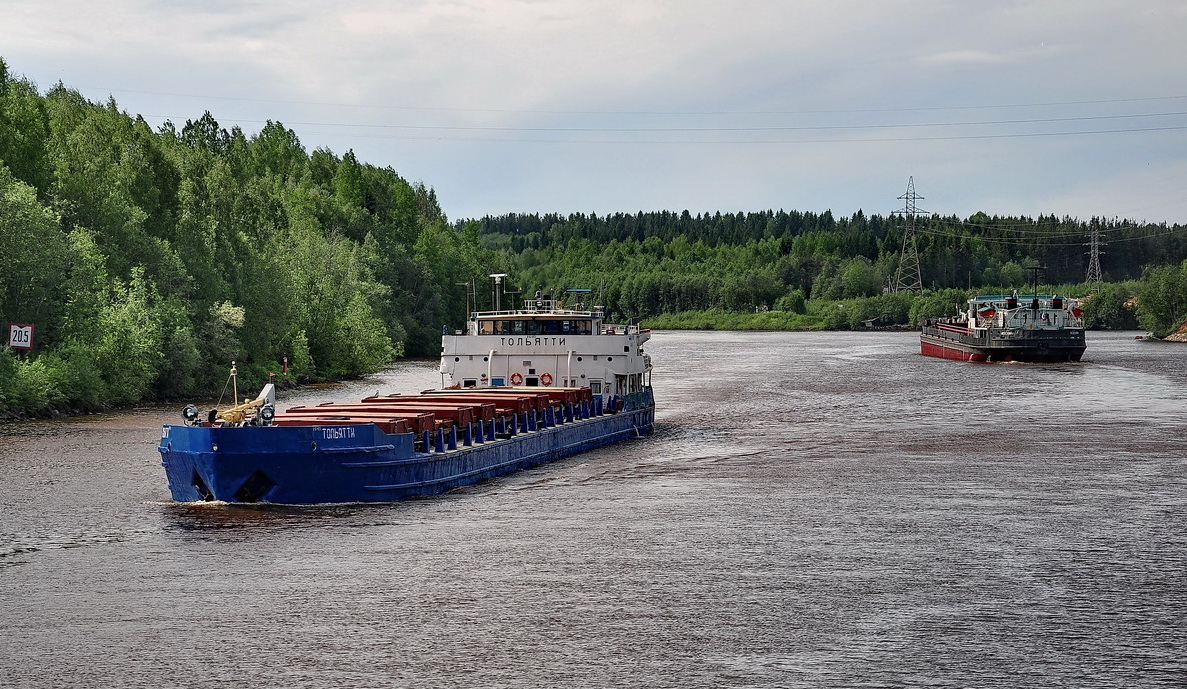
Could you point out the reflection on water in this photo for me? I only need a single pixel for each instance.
(217, 516)
(814, 510)
(199, 516)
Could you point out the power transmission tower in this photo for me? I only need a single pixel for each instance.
(1094, 253)
(908, 278)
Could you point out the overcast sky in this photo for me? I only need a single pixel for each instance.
(1071, 107)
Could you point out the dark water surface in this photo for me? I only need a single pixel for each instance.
(814, 510)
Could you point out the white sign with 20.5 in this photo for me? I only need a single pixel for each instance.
(20, 336)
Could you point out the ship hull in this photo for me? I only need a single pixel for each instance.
(1037, 346)
(334, 463)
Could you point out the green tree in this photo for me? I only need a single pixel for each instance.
(1112, 307)
(33, 261)
(1013, 275)
(937, 304)
(131, 351)
(792, 302)
(1162, 299)
(24, 131)
(858, 278)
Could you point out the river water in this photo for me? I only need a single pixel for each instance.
(814, 510)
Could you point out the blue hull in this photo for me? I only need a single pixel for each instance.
(361, 463)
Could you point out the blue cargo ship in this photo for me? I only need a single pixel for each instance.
(519, 388)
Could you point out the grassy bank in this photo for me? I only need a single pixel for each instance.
(715, 319)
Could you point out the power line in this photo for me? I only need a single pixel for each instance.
(680, 130)
(1033, 228)
(763, 142)
(660, 113)
(1035, 239)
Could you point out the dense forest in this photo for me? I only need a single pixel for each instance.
(650, 264)
(149, 260)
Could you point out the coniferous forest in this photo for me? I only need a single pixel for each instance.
(149, 260)
(794, 270)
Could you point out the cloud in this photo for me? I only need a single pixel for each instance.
(576, 105)
(966, 57)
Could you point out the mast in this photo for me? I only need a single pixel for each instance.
(1034, 304)
(498, 289)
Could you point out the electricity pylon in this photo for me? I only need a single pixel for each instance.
(1094, 253)
(908, 278)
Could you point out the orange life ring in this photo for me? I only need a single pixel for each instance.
(546, 379)
(516, 379)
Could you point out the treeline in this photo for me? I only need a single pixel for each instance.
(953, 252)
(650, 264)
(148, 260)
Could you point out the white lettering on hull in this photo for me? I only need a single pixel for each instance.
(532, 341)
(337, 432)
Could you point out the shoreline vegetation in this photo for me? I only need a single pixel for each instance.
(143, 262)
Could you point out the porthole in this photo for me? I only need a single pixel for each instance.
(609, 358)
(457, 358)
(578, 358)
(313, 446)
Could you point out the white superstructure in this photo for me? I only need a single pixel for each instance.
(544, 344)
